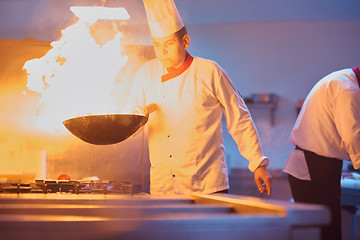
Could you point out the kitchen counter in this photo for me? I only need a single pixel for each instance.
(350, 192)
(144, 216)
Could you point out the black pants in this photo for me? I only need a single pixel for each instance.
(324, 188)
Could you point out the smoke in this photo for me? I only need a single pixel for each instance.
(87, 71)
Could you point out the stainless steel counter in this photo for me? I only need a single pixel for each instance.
(143, 216)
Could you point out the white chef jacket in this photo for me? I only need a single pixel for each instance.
(328, 123)
(185, 132)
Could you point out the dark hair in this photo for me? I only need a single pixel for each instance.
(181, 33)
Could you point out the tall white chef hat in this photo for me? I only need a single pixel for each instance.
(163, 17)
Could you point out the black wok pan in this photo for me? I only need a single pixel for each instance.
(105, 129)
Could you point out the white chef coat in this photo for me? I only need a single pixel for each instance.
(185, 133)
(328, 123)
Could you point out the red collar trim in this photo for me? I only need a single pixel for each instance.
(174, 72)
(357, 73)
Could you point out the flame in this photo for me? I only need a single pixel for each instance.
(91, 14)
(77, 76)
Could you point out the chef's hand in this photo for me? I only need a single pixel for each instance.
(149, 109)
(263, 179)
(146, 111)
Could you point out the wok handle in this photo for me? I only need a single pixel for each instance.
(150, 108)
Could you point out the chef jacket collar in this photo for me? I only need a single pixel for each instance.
(174, 72)
(357, 73)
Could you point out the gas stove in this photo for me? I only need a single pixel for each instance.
(145, 216)
(71, 187)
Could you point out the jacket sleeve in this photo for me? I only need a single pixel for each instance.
(238, 120)
(136, 100)
(347, 121)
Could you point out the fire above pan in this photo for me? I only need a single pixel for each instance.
(105, 129)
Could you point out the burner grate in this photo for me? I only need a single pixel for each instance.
(72, 187)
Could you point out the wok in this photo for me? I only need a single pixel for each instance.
(105, 129)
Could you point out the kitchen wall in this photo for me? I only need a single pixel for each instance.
(278, 47)
(285, 58)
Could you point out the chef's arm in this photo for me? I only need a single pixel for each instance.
(242, 128)
(347, 121)
(136, 102)
(148, 109)
(136, 99)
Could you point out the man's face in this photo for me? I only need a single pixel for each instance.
(170, 50)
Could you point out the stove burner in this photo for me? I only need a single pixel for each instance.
(53, 186)
(99, 187)
(72, 187)
(17, 188)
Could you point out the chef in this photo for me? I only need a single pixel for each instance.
(326, 132)
(190, 95)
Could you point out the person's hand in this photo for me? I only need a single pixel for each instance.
(146, 111)
(149, 109)
(263, 179)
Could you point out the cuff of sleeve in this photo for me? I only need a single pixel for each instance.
(264, 161)
(355, 159)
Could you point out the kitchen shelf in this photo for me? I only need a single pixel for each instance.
(269, 105)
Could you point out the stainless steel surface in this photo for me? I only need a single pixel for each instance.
(350, 196)
(143, 216)
(105, 129)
